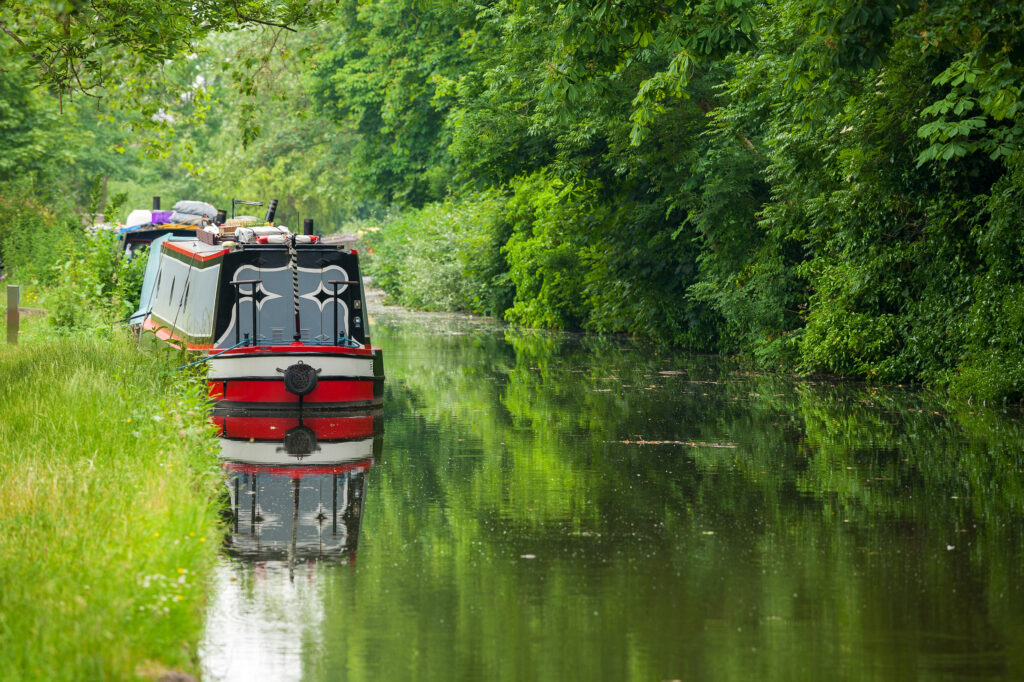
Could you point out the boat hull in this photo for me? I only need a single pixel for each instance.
(256, 376)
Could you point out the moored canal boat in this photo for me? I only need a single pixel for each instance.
(280, 317)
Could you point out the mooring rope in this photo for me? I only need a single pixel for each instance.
(207, 358)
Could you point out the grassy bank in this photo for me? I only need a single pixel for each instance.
(107, 510)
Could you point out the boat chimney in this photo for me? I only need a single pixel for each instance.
(307, 226)
(271, 210)
(222, 217)
(156, 203)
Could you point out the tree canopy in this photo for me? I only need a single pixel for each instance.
(81, 46)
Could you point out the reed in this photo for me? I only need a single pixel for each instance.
(108, 511)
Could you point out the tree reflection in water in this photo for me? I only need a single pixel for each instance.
(558, 507)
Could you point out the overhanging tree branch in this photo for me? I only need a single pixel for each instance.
(9, 32)
(254, 20)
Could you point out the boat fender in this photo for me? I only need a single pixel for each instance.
(272, 239)
(300, 441)
(300, 378)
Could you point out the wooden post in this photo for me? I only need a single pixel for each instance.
(13, 300)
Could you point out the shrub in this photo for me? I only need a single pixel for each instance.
(545, 253)
(445, 256)
(91, 284)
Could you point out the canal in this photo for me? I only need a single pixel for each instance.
(542, 506)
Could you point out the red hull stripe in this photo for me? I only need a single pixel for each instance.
(274, 428)
(259, 391)
(298, 348)
(297, 471)
(164, 334)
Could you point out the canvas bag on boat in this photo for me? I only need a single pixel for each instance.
(193, 212)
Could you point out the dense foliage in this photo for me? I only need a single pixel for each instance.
(830, 186)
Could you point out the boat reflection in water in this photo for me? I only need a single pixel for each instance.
(296, 485)
(295, 502)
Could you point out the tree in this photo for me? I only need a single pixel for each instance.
(80, 46)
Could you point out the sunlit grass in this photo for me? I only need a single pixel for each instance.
(107, 510)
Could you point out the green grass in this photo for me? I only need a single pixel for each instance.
(108, 510)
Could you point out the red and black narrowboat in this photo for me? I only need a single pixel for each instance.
(281, 317)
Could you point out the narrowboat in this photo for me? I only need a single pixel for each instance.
(279, 317)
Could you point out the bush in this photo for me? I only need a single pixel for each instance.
(445, 256)
(546, 253)
(97, 285)
(30, 235)
(90, 283)
(602, 259)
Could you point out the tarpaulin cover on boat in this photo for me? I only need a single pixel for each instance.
(193, 212)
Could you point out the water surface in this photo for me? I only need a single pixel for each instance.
(557, 507)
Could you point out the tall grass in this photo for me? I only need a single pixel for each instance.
(107, 511)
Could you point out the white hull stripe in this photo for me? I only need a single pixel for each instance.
(272, 453)
(248, 366)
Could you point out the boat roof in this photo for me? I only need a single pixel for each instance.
(196, 248)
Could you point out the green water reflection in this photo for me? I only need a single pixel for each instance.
(549, 507)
